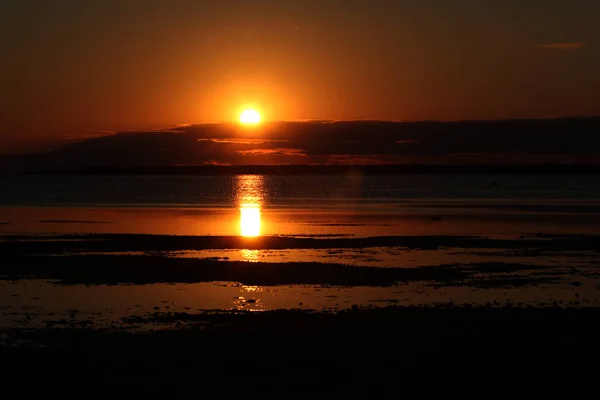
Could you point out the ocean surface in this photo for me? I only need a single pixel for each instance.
(292, 242)
(352, 204)
(351, 191)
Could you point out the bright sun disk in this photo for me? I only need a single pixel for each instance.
(250, 116)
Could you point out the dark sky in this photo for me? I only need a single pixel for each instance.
(72, 69)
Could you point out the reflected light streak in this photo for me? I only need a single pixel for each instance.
(250, 255)
(250, 220)
(250, 196)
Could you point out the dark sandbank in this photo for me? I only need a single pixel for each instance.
(110, 269)
(95, 259)
(56, 244)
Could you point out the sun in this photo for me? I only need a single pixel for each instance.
(250, 117)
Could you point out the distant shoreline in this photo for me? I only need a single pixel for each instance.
(545, 169)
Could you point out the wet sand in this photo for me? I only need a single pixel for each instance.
(49, 280)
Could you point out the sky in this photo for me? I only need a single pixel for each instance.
(73, 69)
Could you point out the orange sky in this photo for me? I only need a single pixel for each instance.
(74, 69)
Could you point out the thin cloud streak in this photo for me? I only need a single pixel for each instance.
(242, 141)
(278, 151)
(562, 46)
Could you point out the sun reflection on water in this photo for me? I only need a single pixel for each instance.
(250, 255)
(250, 194)
(250, 298)
(250, 220)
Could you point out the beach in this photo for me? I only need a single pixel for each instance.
(502, 270)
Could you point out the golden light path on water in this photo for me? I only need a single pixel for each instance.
(250, 193)
(249, 220)
(250, 196)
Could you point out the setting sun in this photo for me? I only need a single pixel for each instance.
(250, 116)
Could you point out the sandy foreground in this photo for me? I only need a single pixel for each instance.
(357, 344)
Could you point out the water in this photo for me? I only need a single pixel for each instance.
(254, 205)
(352, 191)
(299, 207)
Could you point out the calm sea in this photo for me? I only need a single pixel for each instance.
(325, 208)
(299, 191)
(253, 205)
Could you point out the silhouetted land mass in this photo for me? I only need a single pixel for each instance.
(333, 170)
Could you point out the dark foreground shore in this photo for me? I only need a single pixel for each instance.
(379, 350)
(376, 349)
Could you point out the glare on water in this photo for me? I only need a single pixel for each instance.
(250, 196)
(250, 220)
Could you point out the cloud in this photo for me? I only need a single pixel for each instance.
(562, 46)
(242, 140)
(211, 162)
(278, 151)
(361, 159)
(568, 140)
